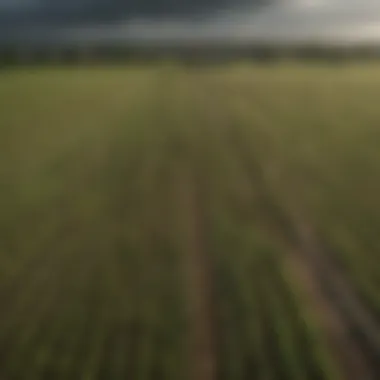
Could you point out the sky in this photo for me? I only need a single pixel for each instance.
(189, 20)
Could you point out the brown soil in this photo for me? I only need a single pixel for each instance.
(346, 354)
(347, 317)
(196, 269)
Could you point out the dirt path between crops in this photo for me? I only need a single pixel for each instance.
(355, 331)
(345, 353)
(198, 277)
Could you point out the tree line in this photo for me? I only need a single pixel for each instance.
(76, 54)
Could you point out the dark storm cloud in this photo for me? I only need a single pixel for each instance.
(99, 9)
(43, 19)
(95, 11)
(47, 20)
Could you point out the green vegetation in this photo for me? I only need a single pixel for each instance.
(118, 184)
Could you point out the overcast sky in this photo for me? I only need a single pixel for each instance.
(108, 20)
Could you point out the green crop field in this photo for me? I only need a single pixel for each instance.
(180, 223)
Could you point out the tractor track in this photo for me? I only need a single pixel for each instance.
(198, 276)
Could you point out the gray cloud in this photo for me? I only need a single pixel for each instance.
(226, 20)
(286, 21)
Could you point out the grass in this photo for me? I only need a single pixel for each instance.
(92, 284)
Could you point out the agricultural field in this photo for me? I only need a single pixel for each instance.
(179, 223)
